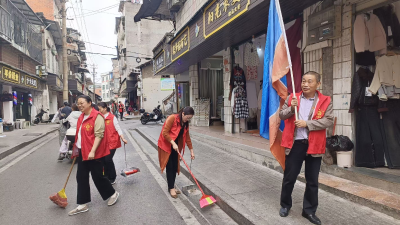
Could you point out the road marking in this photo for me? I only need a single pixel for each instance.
(186, 215)
(19, 158)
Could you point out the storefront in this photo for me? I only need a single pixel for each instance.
(26, 91)
(55, 86)
(75, 88)
(375, 94)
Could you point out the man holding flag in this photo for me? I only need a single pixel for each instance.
(297, 140)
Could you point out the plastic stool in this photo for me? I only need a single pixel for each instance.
(26, 125)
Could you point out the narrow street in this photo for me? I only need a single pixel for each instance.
(25, 188)
(29, 179)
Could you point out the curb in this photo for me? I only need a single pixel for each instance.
(22, 145)
(224, 205)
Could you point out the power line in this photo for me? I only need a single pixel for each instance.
(97, 11)
(87, 34)
(115, 48)
(98, 53)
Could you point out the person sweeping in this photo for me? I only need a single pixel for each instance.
(91, 142)
(173, 137)
(114, 135)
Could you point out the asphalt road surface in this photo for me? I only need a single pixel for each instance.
(30, 176)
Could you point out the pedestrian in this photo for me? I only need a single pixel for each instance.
(114, 134)
(65, 111)
(72, 120)
(304, 140)
(91, 142)
(121, 110)
(174, 135)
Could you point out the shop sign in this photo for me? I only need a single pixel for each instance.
(79, 86)
(11, 75)
(220, 13)
(159, 61)
(30, 81)
(167, 84)
(58, 82)
(180, 45)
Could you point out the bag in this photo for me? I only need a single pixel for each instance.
(339, 143)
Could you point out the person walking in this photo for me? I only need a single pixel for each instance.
(173, 137)
(65, 111)
(72, 120)
(91, 143)
(121, 110)
(114, 134)
(304, 140)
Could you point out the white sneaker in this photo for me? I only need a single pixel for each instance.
(113, 199)
(77, 210)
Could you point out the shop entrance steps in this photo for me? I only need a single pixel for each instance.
(248, 191)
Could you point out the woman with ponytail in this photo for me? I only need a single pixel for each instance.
(174, 135)
(114, 137)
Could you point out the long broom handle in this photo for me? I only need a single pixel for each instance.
(191, 173)
(126, 164)
(70, 170)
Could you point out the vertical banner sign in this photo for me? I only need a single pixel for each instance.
(180, 45)
(167, 84)
(159, 61)
(219, 13)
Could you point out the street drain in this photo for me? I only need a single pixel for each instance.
(33, 134)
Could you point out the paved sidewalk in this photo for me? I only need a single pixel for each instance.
(14, 140)
(253, 191)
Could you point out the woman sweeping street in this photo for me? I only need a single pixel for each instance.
(114, 133)
(174, 135)
(91, 141)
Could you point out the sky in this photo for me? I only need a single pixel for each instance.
(99, 18)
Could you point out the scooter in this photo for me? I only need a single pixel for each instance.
(155, 116)
(43, 117)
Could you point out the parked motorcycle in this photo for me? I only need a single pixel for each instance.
(155, 116)
(43, 117)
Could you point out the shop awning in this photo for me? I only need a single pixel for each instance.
(75, 86)
(205, 39)
(128, 86)
(55, 31)
(155, 9)
(55, 82)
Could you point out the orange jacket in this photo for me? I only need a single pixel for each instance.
(170, 131)
(112, 134)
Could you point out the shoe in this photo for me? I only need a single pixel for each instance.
(77, 211)
(113, 199)
(175, 195)
(312, 218)
(178, 192)
(113, 182)
(284, 212)
(61, 157)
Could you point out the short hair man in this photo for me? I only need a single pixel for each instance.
(65, 111)
(304, 140)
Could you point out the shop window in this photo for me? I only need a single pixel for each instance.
(20, 62)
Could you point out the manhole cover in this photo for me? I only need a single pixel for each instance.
(32, 134)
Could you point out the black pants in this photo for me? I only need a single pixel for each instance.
(95, 168)
(293, 164)
(109, 167)
(172, 168)
(369, 138)
(121, 114)
(391, 129)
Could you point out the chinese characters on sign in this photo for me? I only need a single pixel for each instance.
(160, 61)
(222, 10)
(31, 82)
(11, 75)
(180, 45)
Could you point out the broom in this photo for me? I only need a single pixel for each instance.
(60, 198)
(205, 200)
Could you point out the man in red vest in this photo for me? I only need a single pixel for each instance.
(304, 140)
(121, 109)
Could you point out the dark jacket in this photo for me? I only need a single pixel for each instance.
(361, 80)
(388, 18)
(65, 112)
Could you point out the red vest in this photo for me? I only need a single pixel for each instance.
(173, 133)
(87, 136)
(316, 139)
(112, 134)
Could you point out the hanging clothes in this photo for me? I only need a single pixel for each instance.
(369, 34)
(390, 23)
(238, 78)
(387, 72)
(390, 125)
(366, 58)
(294, 34)
(369, 150)
(241, 104)
(251, 60)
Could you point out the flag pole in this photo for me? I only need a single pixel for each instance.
(278, 7)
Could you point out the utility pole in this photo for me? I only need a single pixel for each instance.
(94, 82)
(65, 59)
